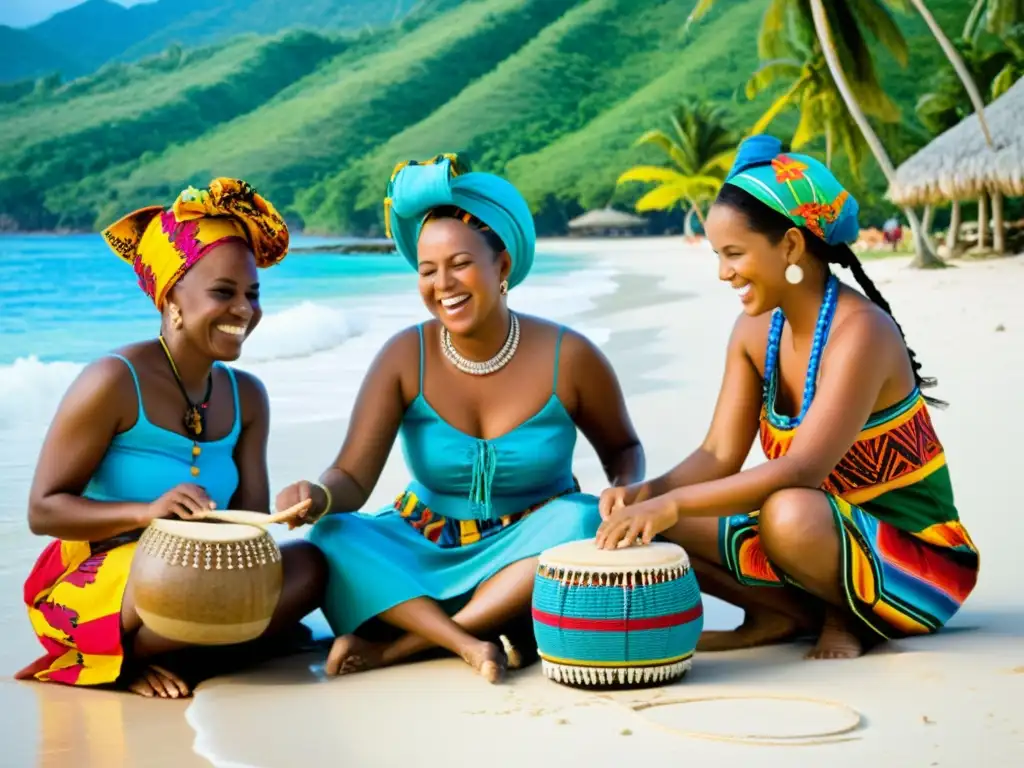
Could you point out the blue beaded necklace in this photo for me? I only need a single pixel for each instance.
(821, 329)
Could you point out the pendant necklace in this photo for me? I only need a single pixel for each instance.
(195, 413)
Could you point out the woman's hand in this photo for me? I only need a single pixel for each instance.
(617, 497)
(645, 520)
(187, 501)
(296, 493)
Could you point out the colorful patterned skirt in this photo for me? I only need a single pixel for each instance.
(74, 596)
(897, 583)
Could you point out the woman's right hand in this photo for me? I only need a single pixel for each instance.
(296, 493)
(618, 497)
(187, 501)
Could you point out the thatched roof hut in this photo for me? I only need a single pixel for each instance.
(606, 221)
(959, 164)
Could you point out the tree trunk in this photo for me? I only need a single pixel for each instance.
(998, 225)
(927, 219)
(696, 209)
(953, 236)
(924, 252)
(958, 64)
(688, 223)
(982, 222)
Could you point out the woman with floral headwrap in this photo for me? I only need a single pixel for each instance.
(162, 428)
(487, 402)
(853, 513)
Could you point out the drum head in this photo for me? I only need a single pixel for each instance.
(202, 530)
(584, 555)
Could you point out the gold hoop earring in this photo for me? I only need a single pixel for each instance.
(503, 287)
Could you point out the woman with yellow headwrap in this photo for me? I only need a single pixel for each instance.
(487, 402)
(161, 428)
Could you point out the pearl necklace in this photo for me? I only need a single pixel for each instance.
(483, 367)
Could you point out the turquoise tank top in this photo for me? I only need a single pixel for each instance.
(464, 477)
(146, 461)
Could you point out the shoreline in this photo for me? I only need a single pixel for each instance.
(940, 700)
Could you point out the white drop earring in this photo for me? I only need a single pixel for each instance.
(794, 274)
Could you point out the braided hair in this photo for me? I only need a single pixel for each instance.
(454, 212)
(774, 225)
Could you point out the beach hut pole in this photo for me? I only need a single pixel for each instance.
(953, 236)
(998, 224)
(983, 221)
(927, 219)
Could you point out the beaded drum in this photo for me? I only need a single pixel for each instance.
(613, 618)
(206, 583)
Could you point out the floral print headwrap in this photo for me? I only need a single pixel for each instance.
(797, 186)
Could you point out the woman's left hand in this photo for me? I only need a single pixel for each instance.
(644, 521)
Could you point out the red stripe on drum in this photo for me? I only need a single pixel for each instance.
(619, 625)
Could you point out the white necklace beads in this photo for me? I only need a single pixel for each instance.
(483, 367)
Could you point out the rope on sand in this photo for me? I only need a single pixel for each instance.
(855, 719)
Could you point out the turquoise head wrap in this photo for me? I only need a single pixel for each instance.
(797, 186)
(417, 188)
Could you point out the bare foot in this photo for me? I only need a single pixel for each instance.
(837, 639)
(353, 654)
(759, 627)
(158, 682)
(487, 659)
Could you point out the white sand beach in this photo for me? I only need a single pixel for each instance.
(950, 700)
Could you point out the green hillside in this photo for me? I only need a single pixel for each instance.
(23, 56)
(96, 32)
(550, 92)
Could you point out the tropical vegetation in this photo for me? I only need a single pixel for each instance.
(551, 93)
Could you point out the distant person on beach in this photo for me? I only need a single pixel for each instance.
(893, 232)
(161, 429)
(487, 402)
(853, 514)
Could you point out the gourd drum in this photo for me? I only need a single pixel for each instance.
(206, 583)
(616, 618)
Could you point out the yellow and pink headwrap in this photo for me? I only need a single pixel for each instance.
(162, 245)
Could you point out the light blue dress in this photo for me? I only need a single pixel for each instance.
(474, 507)
(146, 461)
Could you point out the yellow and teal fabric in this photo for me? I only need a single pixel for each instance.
(797, 186)
(418, 187)
(474, 507)
(162, 245)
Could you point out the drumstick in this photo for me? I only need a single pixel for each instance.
(287, 514)
(278, 517)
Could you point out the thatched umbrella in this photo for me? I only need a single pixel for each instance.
(605, 220)
(959, 165)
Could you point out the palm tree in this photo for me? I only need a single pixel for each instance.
(700, 149)
(850, 47)
(994, 16)
(924, 254)
(944, 105)
(812, 91)
(958, 64)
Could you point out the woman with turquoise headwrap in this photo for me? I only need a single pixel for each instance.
(487, 403)
(853, 513)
